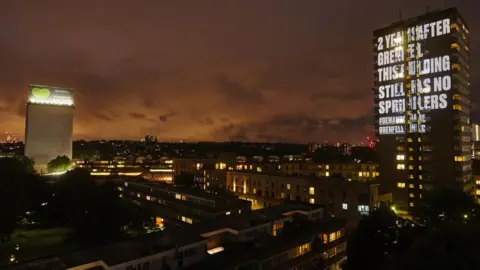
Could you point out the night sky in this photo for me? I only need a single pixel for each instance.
(296, 70)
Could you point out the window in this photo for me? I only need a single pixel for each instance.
(400, 166)
(363, 209)
(344, 206)
(457, 107)
(327, 167)
(311, 190)
(332, 237)
(178, 196)
(276, 227)
(187, 220)
(401, 185)
(300, 250)
(288, 186)
(411, 186)
(411, 204)
(311, 200)
(411, 195)
(400, 157)
(327, 174)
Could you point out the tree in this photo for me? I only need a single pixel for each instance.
(449, 248)
(59, 164)
(94, 211)
(16, 182)
(377, 237)
(446, 207)
(443, 235)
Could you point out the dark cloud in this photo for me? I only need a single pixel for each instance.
(135, 115)
(165, 117)
(103, 117)
(206, 121)
(239, 92)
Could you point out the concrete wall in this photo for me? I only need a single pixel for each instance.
(48, 133)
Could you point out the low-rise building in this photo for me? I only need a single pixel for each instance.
(176, 205)
(158, 171)
(285, 236)
(342, 198)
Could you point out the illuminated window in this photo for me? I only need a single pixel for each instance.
(401, 185)
(420, 167)
(178, 196)
(360, 174)
(456, 66)
(411, 186)
(410, 176)
(455, 46)
(311, 200)
(419, 139)
(412, 195)
(327, 167)
(159, 222)
(410, 140)
(410, 167)
(259, 169)
(276, 227)
(311, 190)
(420, 196)
(363, 209)
(400, 157)
(187, 220)
(400, 166)
(478, 191)
(300, 250)
(420, 177)
(282, 195)
(477, 182)
(327, 174)
(420, 186)
(457, 107)
(288, 186)
(344, 206)
(458, 158)
(411, 204)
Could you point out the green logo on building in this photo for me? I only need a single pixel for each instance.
(41, 93)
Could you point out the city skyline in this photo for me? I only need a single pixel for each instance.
(287, 72)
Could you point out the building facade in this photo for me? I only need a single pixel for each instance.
(341, 198)
(422, 105)
(49, 124)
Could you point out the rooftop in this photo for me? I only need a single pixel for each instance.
(149, 244)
